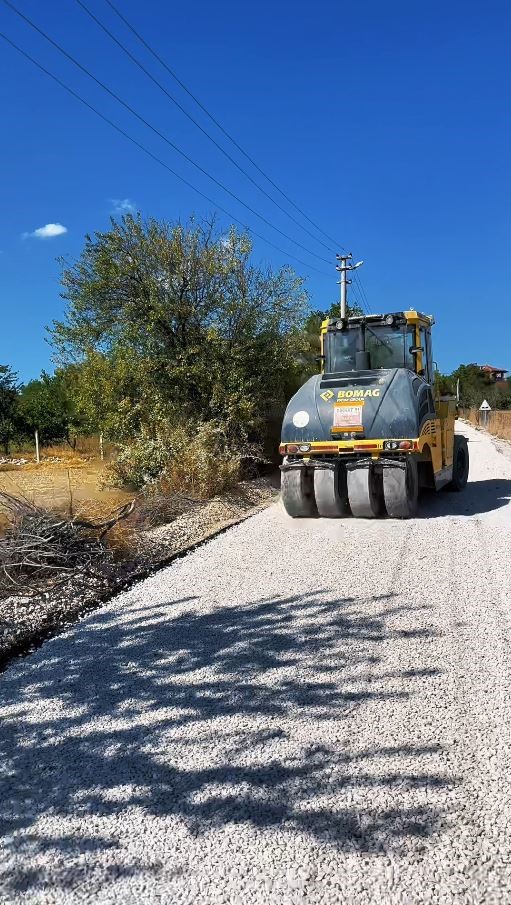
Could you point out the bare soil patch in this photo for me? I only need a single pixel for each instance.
(70, 484)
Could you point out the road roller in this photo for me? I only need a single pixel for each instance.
(364, 435)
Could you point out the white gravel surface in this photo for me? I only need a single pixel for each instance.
(297, 712)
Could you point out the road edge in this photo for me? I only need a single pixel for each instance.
(57, 624)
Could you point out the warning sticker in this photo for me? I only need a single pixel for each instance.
(347, 416)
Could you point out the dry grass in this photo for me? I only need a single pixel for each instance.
(46, 464)
(88, 447)
(74, 486)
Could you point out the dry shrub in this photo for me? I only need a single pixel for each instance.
(38, 546)
(199, 463)
(203, 468)
(140, 463)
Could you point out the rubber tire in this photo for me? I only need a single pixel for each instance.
(331, 492)
(363, 496)
(460, 463)
(297, 493)
(401, 489)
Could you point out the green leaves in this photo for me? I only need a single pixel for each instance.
(166, 320)
(475, 385)
(46, 405)
(8, 405)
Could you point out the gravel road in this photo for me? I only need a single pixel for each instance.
(298, 711)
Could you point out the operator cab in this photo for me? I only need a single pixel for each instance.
(378, 341)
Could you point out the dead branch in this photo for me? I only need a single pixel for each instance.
(38, 545)
(105, 527)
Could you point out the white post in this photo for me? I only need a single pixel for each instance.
(101, 449)
(37, 457)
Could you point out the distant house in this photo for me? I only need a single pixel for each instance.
(495, 374)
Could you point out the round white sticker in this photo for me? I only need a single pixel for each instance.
(300, 419)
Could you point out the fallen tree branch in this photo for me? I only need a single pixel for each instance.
(39, 545)
(105, 527)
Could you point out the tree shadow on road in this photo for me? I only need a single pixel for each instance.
(198, 716)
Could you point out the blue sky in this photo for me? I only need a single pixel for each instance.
(387, 122)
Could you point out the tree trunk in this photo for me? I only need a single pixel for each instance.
(101, 448)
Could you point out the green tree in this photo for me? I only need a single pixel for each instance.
(9, 389)
(474, 385)
(109, 394)
(445, 384)
(46, 406)
(176, 322)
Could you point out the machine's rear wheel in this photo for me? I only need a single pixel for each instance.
(330, 491)
(363, 492)
(460, 463)
(401, 488)
(298, 493)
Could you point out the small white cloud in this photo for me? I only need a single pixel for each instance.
(47, 232)
(122, 205)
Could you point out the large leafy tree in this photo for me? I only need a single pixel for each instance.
(9, 389)
(176, 322)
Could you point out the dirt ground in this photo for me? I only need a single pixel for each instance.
(72, 485)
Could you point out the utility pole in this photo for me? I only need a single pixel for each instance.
(343, 267)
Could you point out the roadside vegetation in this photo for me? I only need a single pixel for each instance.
(176, 347)
(475, 386)
(181, 352)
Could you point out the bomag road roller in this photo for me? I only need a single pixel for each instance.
(369, 431)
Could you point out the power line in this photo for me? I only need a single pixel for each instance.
(336, 246)
(216, 122)
(154, 157)
(192, 119)
(356, 287)
(157, 132)
(168, 141)
(355, 292)
(360, 287)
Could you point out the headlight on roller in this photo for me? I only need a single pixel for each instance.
(398, 444)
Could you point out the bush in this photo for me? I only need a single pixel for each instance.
(205, 466)
(140, 463)
(200, 462)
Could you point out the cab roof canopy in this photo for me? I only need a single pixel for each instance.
(392, 318)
